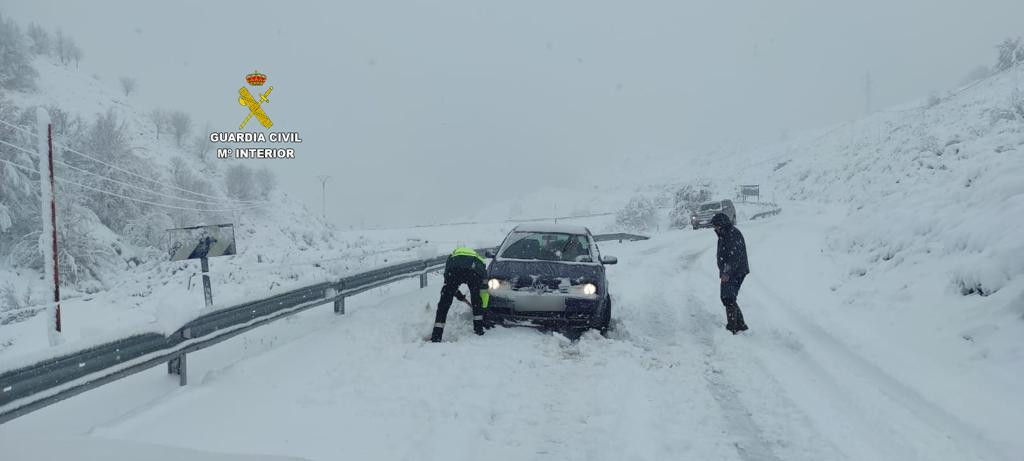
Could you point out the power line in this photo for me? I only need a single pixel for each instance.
(143, 189)
(68, 181)
(23, 167)
(27, 151)
(16, 127)
(70, 149)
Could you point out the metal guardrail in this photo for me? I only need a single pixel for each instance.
(765, 214)
(44, 383)
(26, 389)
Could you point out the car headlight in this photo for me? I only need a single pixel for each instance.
(493, 284)
(589, 289)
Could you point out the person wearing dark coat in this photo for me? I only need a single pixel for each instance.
(732, 269)
(463, 266)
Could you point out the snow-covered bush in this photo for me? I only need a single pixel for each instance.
(639, 215)
(1011, 53)
(13, 304)
(183, 176)
(240, 182)
(149, 230)
(687, 198)
(81, 253)
(1017, 103)
(1014, 109)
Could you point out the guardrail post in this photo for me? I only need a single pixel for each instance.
(339, 302)
(423, 280)
(179, 366)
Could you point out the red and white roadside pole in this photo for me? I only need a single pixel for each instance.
(48, 238)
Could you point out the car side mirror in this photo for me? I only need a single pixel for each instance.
(490, 253)
(609, 260)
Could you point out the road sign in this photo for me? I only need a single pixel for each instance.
(201, 242)
(750, 190)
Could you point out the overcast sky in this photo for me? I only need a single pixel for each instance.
(422, 111)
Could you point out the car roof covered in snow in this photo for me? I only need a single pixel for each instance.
(546, 227)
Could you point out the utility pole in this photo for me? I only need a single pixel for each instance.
(48, 202)
(323, 199)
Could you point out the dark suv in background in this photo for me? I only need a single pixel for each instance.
(701, 217)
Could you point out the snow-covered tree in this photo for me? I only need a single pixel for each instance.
(74, 53)
(160, 121)
(19, 190)
(179, 124)
(40, 43)
(201, 144)
(638, 215)
(266, 181)
(184, 176)
(62, 45)
(65, 126)
(107, 141)
(128, 85)
(240, 182)
(687, 198)
(16, 71)
(1011, 53)
(149, 230)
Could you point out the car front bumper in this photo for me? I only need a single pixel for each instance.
(543, 309)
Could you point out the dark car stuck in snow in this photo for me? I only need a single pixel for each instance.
(549, 275)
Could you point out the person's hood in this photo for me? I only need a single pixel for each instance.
(721, 220)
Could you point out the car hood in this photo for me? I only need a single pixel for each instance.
(527, 273)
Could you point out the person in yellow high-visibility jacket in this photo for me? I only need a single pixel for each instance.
(464, 266)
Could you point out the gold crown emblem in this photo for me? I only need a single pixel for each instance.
(256, 78)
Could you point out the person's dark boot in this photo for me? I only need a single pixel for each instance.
(435, 337)
(478, 327)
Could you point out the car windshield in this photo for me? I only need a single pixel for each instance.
(547, 246)
(710, 206)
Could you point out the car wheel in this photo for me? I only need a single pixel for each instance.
(606, 319)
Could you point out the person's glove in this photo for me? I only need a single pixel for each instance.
(460, 296)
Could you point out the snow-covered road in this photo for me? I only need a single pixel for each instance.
(669, 382)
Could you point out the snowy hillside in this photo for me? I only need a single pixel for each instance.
(122, 281)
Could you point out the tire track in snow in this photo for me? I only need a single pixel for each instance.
(947, 431)
(751, 445)
(737, 380)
